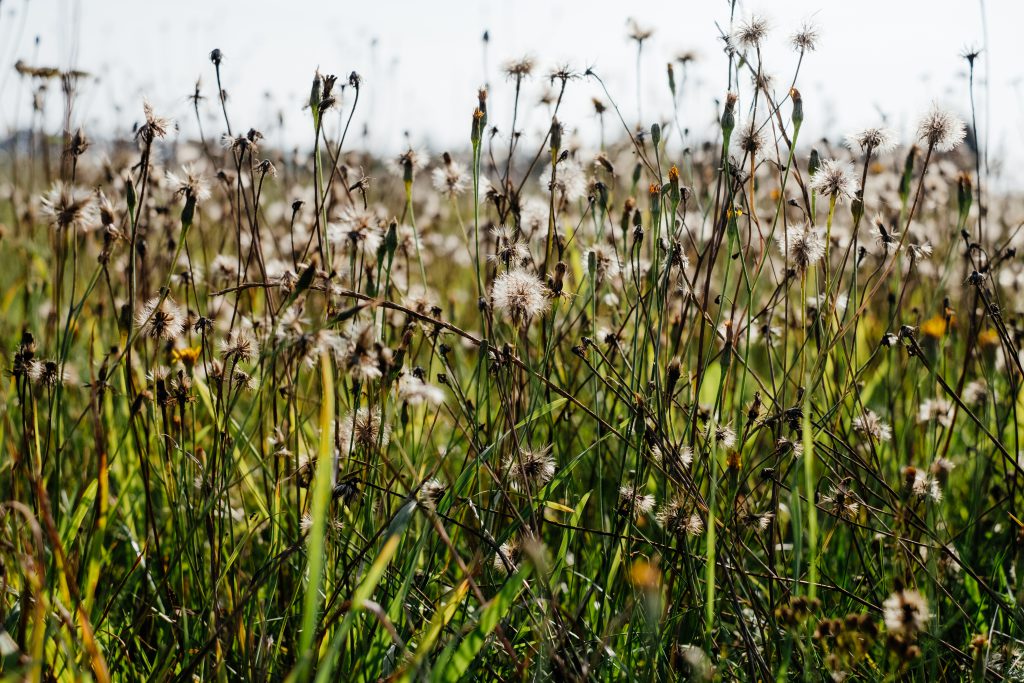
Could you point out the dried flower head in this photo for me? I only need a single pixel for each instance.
(520, 296)
(154, 128)
(751, 32)
(533, 467)
(871, 426)
(450, 179)
(161, 318)
(240, 346)
(805, 39)
(941, 129)
(364, 429)
(188, 183)
(67, 208)
(431, 493)
(877, 140)
(802, 245)
(906, 612)
(678, 520)
(834, 179)
(633, 502)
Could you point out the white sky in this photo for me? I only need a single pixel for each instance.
(422, 60)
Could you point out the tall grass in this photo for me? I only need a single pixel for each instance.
(728, 408)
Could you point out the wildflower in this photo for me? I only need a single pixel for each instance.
(49, 373)
(751, 32)
(511, 251)
(936, 410)
(834, 179)
(240, 346)
(750, 137)
(941, 130)
(450, 179)
(356, 230)
(154, 128)
(408, 162)
(532, 467)
(506, 560)
(518, 69)
(724, 435)
(520, 296)
(905, 611)
(678, 521)
(940, 468)
(187, 356)
(842, 501)
(919, 252)
(675, 462)
(415, 391)
(637, 32)
(69, 209)
(431, 493)
(570, 181)
(803, 245)
(805, 39)
(362, 355)
(364, 429)
(976, 392)
(633, 502)
(189, 183)
(921, 484)
(161, 318)
(877, 140)
(606, 261)
(243, 379)
(871, 426)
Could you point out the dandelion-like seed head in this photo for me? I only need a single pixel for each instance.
(872, 426)
(906, 612)
(877, 139)
(364, 429)
(520, 296)
(189, 183)
(533, 467)
(803, 245)
(835, 179)
(431, 493)
(67, 208)
(751, 32)
(240, 346)
(633, 500)
(941, 129)
(161, 319)
(806, 38)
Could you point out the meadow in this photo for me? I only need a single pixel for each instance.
(639, 405)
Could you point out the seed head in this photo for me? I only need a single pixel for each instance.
(871, 426)
(67, 208)
(161, 319)
(906, 612)
(803, 245)
(941, 129)
(531, 467)
(876, 139)
(520, 296)
(834, 179)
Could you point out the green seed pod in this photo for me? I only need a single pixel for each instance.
(656, 134)
(798, 107)
(728, 116)
(814, 163)
(131, 198)
(671, 79)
